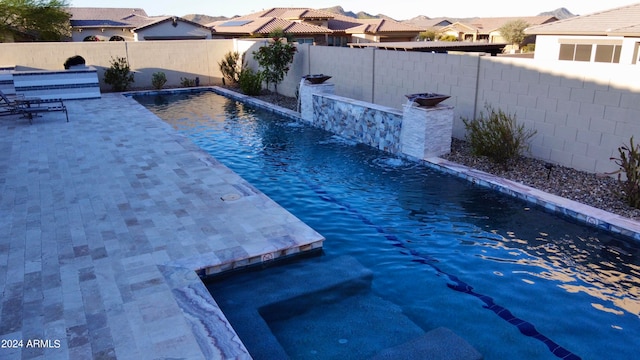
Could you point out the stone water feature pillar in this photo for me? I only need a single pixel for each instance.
(306, 93)
(426, 131)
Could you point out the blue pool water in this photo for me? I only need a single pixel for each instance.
(514, 281)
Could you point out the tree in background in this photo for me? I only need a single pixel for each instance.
(513, 32)
(40, 20)
(429, 35)
(275, 59)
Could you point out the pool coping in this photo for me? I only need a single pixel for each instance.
(582, 213)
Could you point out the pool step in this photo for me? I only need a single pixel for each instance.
(438, 344)
(325, 307)
(246, 297)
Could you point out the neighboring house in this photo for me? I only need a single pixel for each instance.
(382, 30)
(171, 28)
(130, 24)
(609, 36)
(488, 29)
(314, 26)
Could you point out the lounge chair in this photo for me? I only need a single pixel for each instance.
(30, 106)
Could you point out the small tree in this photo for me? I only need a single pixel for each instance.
(119, 75)
(429, 35)
(513, 32)
(275, 59)
(44, 20)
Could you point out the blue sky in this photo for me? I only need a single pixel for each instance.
(397, 9)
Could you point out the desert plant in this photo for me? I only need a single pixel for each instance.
(230, 67)
(119, 75)
(250, 81)
(274, 60)
(158, 79)
(497, 136)
(629, 163)
(186, 82)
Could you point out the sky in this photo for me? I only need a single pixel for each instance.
(397, 9)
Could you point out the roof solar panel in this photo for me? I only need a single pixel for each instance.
(236, 23)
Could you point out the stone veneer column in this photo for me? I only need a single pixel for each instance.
(306, 93)
(426, 131)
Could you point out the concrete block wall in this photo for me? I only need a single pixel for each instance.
(351, 70)
(188, 58)
(582, 111)
(400, 73)
(182, 59)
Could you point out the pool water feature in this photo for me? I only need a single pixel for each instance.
(512, 280)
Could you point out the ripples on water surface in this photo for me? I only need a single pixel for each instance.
(419, 231)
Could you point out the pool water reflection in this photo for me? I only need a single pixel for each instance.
(440, 248)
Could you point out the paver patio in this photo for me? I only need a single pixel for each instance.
(105, 221)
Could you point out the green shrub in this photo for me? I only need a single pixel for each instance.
(186, 82)
(275, 60)
(250, 81)
(629, 163)
(119, 75)
(230, 67)
(158, 79)
(497, 136)
(449, 37)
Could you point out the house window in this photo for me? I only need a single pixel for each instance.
(605, 51)
(305, 40)
(583, 52)
(567, 51)
(337, 41)
(575, 52)
(608, 53)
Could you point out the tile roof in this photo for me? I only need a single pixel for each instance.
(265, 25)
(341, 25)
(335, 23)
(382, 25)
(131, 18)
(490, 24)
(160, 19)
(111, 17)
(619, 21)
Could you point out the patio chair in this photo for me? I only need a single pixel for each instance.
(30, 106)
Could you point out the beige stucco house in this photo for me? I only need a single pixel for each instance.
(609, 36)
(130, 24)
(488, 29)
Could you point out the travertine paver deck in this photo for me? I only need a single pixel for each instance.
(104, 221)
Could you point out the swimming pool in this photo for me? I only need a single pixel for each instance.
(513, 281)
